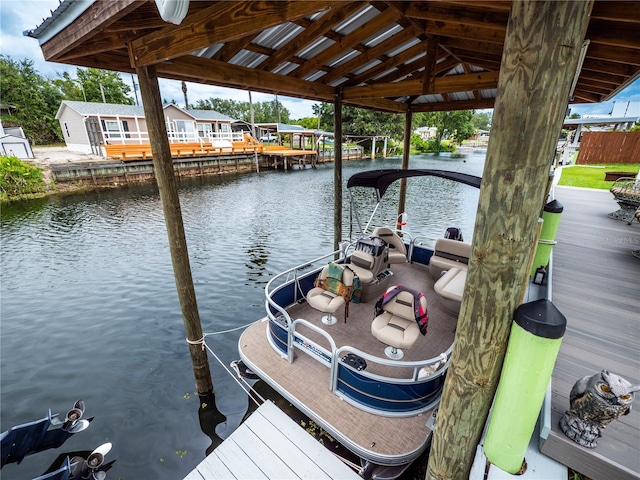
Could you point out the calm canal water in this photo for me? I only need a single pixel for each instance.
(89, 308)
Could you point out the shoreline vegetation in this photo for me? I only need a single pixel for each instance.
(20, 180)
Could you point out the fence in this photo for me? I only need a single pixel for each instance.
(609, 147)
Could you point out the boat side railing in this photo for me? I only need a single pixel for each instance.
(304, 344)
(417, 366)
(294, 274)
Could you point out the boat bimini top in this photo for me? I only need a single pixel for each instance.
(380, 180)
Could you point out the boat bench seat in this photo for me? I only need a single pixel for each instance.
(449, 254)
(362, 264)
(450, 288)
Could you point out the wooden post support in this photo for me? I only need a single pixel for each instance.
(406, 151)
(539, 60)
(165, 178)
(337, 170)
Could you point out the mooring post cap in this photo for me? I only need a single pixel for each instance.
(553, 206)
(541, 318)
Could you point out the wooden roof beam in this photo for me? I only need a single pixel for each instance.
(616, 11)
(230, 49)
(468, 15)
(409, 68)
(389, 63)
(608, 53)
(472, 46)
(614, 68)
(373, 26)
(377, 52)
(450, 83)
(606, 78)
(219, 23)
(479, 34)
(219, 73)
(93, 21)
(429, 75)
(586, 97)
(103, 43)
(459, 105)
(312, 31)
(594, 87)
(616, 34)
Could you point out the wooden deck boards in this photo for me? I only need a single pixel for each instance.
(270, 445)
(596, 285)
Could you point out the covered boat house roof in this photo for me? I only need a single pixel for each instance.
(429, 56)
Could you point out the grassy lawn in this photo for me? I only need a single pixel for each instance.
(592, 176)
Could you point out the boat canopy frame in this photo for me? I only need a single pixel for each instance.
(381, 179)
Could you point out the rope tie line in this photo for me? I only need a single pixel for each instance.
(198, 342)
(240, 381)
(251, 392)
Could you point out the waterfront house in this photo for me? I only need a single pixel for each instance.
(89, 126)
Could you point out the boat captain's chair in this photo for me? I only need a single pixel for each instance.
(332, 290)
(395, 323)
(397, 248)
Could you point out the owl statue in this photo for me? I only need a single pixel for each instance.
(595, 402)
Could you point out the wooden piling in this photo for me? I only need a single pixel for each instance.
(406, 152)
(540, 56)
(163, 166)
(337, 170)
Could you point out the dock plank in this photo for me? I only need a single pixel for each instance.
(270, 445)
(596, 285)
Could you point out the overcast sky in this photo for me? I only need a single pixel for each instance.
(16, 16)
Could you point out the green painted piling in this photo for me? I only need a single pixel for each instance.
(536, 335)
(551, 219)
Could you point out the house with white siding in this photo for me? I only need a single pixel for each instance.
(89, 126)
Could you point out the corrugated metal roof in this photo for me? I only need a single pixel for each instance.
(460, 96)
(321, 44)
(348, 55)
(113, 109)
(367, 66)
(357, 20)
(116, 109)
(248, 59)
(208, 115)
(382, 36)
(277, 36)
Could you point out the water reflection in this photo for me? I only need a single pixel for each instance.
(89, 306)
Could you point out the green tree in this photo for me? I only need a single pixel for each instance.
(481, 121)
(361, 121)
(263, 112)
(310, 123)
(454, 125)
(35, 99)
(92, 85)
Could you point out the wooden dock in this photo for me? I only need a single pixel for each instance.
(596, 285)
(271, 445)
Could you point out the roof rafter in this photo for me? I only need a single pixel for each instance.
(381, 21)
(450, 83)
(220, 23)
(337, 14)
